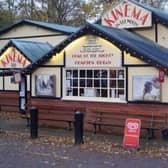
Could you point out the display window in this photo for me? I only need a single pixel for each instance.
(95, 83)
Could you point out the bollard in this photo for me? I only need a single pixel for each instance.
(78, 127)
(34, 122)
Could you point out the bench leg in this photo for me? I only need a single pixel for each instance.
(70, 125)
(95, 128)
(150, 133)
(99, 127)
(28, 122)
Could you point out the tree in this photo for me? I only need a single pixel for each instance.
(154, 3)
(7, 12)
(31, 9)
(71, 12)
(63, 12)
(51, 11)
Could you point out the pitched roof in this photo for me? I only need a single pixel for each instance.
(135, 44)
(50, 26)
(33, 51)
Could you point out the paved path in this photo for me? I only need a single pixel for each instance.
(23, 152)
(55, 149)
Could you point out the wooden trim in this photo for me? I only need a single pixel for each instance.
(37, 36)
(30, 85)
(156, 32)
(64, 59)
(141, 28)
(3, 82)
(134, 65)
(126, 83)
(122, 57)
(36, 97)
(50, 66)
(147, 102)
(10, 90)
(61, 82)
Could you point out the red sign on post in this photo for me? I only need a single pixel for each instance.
(161, 75)
(132, 133)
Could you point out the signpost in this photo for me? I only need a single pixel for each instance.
(19, 78)
(132, 133)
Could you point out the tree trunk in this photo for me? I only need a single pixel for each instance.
(51, 10)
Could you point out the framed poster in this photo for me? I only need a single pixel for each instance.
(45, 85)
(146, 88)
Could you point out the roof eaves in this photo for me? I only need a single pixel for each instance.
(100, 31)
(36, 23)
(25, 21)
(6, 29)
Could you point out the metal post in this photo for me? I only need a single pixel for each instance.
(34, 122)
(78, 127)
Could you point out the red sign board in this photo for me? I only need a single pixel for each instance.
(132, 132)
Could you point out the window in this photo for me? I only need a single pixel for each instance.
(105, 83)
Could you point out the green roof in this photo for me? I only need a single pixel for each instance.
(33, 51)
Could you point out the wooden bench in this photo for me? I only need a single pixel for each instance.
(101, 117)
(55, 113)
(61, 115)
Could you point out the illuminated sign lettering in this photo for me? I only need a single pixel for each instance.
(13, 59)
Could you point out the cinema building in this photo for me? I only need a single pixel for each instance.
(119, 64)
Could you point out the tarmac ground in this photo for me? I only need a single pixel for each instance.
(54, 148)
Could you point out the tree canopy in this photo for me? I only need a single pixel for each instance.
(69, 12)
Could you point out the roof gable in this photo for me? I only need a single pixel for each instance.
(56, 27)
(31, 51)
(12, 58)
(49, 26)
